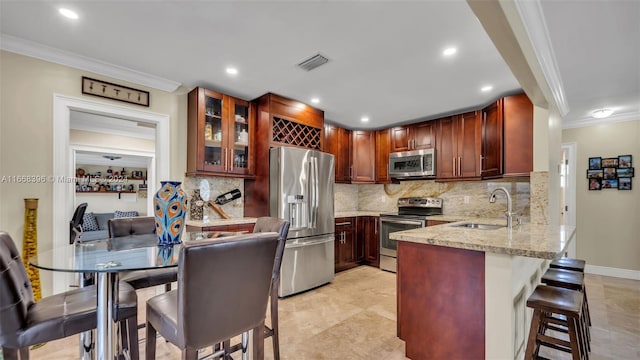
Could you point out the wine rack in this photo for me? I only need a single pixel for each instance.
(292, 133)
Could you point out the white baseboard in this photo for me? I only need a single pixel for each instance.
(615, 272)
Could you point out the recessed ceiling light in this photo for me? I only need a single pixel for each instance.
(232, 71)
(449, 51)
(68, 13)
(364, 119)
(486, 88)
(315, 100)
(602, 113)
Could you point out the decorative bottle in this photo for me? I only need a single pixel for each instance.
(170, 208)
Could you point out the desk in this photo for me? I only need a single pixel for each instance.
(107, 258)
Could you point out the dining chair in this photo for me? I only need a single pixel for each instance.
(281, 226)
(24, 322)
(223, 290)
(140, 279)
(75, 225)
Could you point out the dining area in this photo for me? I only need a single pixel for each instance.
(225, 281)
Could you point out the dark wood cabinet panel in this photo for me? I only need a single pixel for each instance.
(458, 147)
(363, 156)
(436, 222)
(423, 135)
(368, 240)
(447, 150)
(338, 143)
(518, 135)
(345, 243)
(400, 137)
(469, 143)
(507, 137)
(413, 137)
(382, 156)
(491, 159)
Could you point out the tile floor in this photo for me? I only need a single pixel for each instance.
(354, 317)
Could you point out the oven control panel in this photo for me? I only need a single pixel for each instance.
(420, 202)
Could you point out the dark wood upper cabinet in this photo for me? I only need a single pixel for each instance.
(507, 137)
(337, 141)
(413, 137)
(363, 157)
(220, 135)
(518, 135)
(458, 150)
(382, 156)
(491, 159)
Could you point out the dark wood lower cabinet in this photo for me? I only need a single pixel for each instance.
(345, 243)
(368, 240)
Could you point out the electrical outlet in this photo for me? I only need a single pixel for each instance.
(383, 199)
(466, 199)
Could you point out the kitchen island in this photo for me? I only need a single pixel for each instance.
(462, 291)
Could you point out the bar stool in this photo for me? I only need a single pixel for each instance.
(572, 280)
(547, 301)
(568, 264)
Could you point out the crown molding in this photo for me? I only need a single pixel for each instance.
(589, 121)
(47, 53)
(536, 27)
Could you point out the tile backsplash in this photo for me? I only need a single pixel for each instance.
(467, 198)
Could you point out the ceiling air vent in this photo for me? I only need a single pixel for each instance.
(313, 62)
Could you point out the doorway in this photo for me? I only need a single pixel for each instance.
(64, 162)
(568, 190)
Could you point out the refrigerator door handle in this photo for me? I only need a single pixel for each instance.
(311, 190)
(316, 196)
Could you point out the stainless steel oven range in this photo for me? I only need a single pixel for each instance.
(412, 213)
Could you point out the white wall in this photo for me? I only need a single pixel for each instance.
(608, 221)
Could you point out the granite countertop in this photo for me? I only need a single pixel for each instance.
(531, 240)
(218, 222)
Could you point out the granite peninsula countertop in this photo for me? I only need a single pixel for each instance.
(531, 240)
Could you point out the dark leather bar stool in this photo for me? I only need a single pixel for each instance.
(573, 280)
(566, 305)
(568, 264)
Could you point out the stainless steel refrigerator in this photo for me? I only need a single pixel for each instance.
(301, 191)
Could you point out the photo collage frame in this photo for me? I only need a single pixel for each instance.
(610, 173)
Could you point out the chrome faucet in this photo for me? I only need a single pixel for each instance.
(510, 214)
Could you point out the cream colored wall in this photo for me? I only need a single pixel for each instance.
(27, 86)
(607, 220)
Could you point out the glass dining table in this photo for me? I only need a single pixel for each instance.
(107, 258)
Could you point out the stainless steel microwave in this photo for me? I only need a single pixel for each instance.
(412, 164)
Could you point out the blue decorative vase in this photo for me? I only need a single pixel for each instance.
(170, 208)
(165, 255)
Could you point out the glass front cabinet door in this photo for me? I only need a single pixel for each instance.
(220, 134)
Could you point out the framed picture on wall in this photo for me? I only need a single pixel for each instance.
(610, 184)
(610, 162)
(624, 184)
(595, 163)
(625, 172)
(595, 184)
(624, 161)
(595, 174)
(610, 173)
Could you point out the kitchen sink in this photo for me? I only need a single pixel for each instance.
(479, 226)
